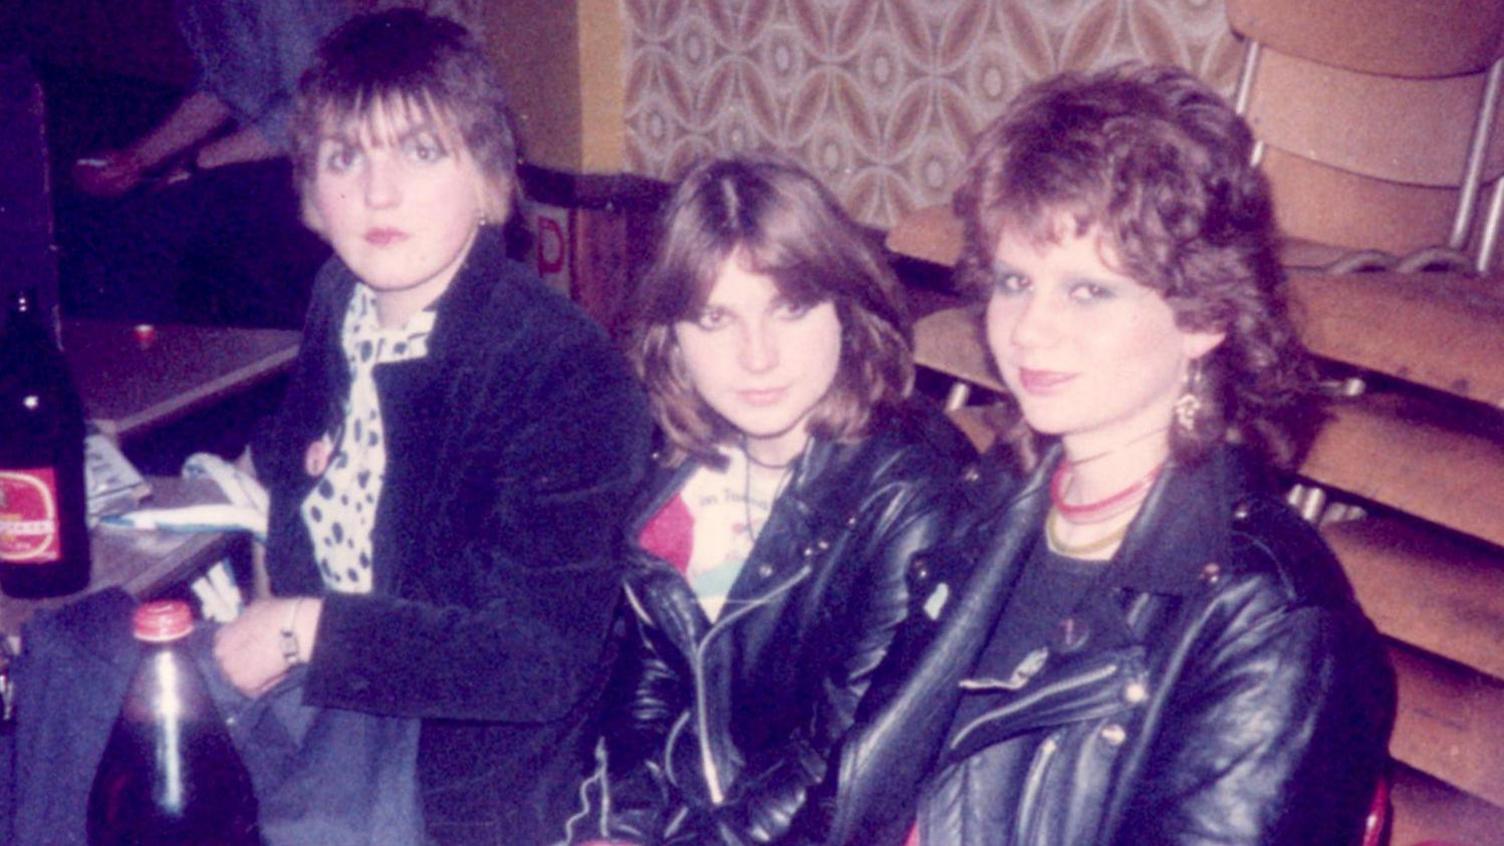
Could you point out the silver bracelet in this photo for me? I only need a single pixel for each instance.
(289, 638)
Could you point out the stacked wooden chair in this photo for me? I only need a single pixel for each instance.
(1382, 136)
(1379, 127)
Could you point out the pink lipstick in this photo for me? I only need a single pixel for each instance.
(384, 236)
(766, 396)
(1042, 381)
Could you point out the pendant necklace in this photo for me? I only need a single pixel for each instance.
(785, 473)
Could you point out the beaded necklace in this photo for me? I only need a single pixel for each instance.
(1103, 509)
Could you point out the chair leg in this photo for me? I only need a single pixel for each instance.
(959, 393)
(1477, 151)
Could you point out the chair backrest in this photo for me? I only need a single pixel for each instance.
(1377, 119)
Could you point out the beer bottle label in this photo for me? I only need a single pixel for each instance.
(29, 517)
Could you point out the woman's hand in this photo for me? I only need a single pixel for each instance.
(250, 650)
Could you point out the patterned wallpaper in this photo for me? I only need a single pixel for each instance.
(878, 97)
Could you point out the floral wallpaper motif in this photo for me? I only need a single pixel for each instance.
(878, 97)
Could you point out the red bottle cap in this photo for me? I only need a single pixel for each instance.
(146, 335)
(162, 621)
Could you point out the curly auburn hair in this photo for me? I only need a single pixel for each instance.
(1159, 165)
(779, 221)
(430, 68)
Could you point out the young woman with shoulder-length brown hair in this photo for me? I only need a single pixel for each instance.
(781, 541)
(779, 222)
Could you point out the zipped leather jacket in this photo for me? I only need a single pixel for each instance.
(724, 729)
(1217, 684)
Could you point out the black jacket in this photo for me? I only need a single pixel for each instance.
(726, 728)
(512, 448)
(1219, 684)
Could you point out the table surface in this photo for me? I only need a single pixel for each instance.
(140, 562)
(131, 381)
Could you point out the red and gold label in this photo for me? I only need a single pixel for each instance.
(28, 517)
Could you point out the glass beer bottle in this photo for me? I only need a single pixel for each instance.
(44, 533)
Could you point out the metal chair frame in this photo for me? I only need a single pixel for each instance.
(1452, 256)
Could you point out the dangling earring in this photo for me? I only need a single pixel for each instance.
(1188, 404)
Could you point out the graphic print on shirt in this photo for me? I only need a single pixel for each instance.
(725, 510)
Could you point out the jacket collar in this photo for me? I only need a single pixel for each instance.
(462, 303)
(1182, 528)
(806, 518)
(803, 489)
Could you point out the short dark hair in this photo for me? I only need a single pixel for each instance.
(1159, 165)
(781, 222)
(404, 58)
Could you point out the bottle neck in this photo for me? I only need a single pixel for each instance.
(23, 316)
(21, 301)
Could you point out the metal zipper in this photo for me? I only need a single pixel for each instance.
(637, 608)
(668, 747)
(1024, 701)
(707, 761)
(1028, 803)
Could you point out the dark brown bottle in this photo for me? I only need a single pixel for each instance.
(44, 533)
(170, 774)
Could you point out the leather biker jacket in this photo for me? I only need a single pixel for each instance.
(1217, 684)
(722, 730)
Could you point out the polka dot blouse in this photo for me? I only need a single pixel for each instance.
(340, 511)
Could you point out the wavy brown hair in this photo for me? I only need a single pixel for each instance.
(1159, 165)
(779, 221)
(429, 67)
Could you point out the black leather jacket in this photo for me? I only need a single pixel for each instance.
(1218, 684)
(725, 729)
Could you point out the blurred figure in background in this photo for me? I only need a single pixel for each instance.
(217, 237)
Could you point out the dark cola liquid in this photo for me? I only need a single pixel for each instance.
(170, 774)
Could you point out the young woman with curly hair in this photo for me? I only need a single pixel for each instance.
(1153, 647)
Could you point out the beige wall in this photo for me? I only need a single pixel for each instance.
(562, 62)
(535, 44)
(603, 62)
